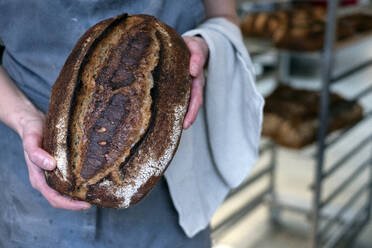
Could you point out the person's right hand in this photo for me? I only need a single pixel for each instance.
(38, 160)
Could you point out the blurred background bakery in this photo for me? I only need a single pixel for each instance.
(312, 184)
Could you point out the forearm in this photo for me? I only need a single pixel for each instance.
(14, 105)
(221, 8)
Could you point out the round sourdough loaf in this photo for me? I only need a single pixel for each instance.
(116, 111)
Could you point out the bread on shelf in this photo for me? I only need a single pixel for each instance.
(301, 28)
(291, 115)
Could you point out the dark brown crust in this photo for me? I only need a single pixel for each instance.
(61, 94)
(156, 149)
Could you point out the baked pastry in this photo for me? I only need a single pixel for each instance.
(246, 24)
(301, 28)
(360, 22)
(277, 20)
(260, 26)
(116, 111)
(291, 115)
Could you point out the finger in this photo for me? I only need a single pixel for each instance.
(32, 170)
(197, 59)
(196, 101)
(38, 182)
(55, 199)
(38, 156)
(58, 201)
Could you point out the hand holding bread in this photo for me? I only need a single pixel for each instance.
(38, 160)
(199, 55)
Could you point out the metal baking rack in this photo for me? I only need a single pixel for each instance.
(345, 222)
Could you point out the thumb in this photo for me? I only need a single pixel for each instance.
(42, 159)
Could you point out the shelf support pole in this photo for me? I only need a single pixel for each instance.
(328, 59)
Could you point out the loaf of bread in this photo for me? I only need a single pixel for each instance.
(301, 28)
(262, 25)
(291, 115)
(359, 21)
(116, 111)
(246, 25)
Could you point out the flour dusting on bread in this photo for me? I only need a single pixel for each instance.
(121, 116)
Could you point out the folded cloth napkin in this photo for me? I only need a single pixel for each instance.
(218, 151)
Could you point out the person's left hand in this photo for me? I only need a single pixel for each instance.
(199, 54)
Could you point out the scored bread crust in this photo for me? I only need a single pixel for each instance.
(149, 125)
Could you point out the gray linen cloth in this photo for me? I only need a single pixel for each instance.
(219, 150)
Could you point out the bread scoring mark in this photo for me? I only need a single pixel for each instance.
(124, 60)
(113, 115)
(94, 61)
(76, 59)
(130, 143)
(135, 125)
(155, 164)
(91, 64)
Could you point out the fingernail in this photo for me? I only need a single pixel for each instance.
(194, 70)
(185, 124)
(86, 206)
(48, 163)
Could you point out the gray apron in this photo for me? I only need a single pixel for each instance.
(38, 36)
